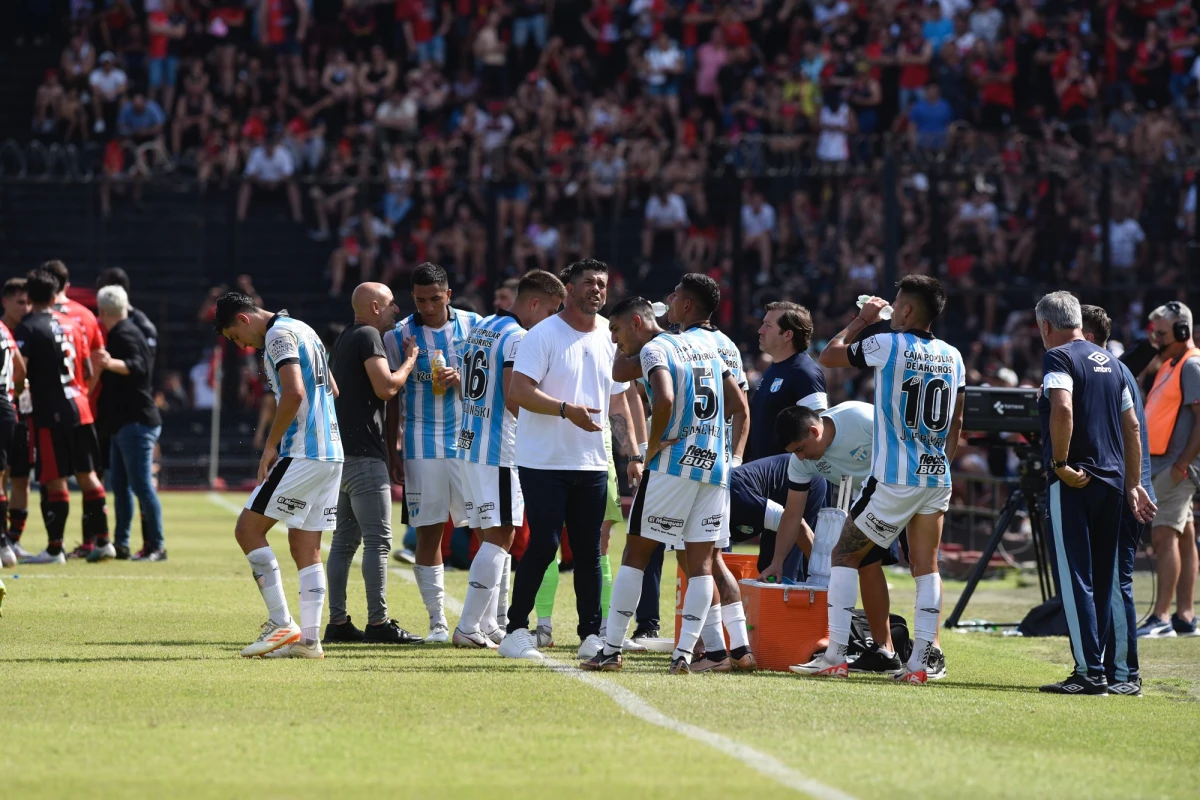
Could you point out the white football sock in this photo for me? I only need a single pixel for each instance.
(489, 623)
(312, 600)
(265, 569)
(772, 516)
(546, 622)
(502, 592)
(843, 595)
(734, 617)
(695, 607)
(431, 582)
(711, 632)
(925, 618)
(626, 591)
(481, 588)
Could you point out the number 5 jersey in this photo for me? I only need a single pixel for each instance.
(488, 434)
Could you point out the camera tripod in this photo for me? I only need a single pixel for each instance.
(1030, 497)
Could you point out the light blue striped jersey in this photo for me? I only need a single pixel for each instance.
(431, 422)
(314, 433)
(917, 380)
(732, 358)
(489, 430)
(698, 413)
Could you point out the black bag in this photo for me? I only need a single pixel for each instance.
(860, 635)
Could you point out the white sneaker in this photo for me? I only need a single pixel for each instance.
(497, 636)
(634, 646)
(405, 556)
(473, 641)
(7, 557)
(438, 634)
(273, 637)
(545, 636)
(520, 644)
(44, 557)
(298, 650)
(591, 645)
(20, 552)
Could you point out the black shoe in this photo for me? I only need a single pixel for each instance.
(389, 632)
(1078, 684)
(603, 663)
(876, 662)
(122, 552)
(342, 632)
(566, 566)
(645, 630)
(680, 666)
(935, 664)
(1130, 688)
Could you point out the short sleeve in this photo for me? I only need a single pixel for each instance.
(282, 347)
(511, 345)
(1126, 399)
(873, 351)
(798, 474)
(532, 359)
(391, 349)
(817, 401)
(653, 358)
(1056, 367)
(1189, 379)
(370, 344)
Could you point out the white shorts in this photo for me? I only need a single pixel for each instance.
(433, 492)
(723, 541)
(676, 511)
(882, 510)
(493, 495)
(301, 493)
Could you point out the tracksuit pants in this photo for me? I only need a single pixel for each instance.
(1120, 649)
(1086, 525)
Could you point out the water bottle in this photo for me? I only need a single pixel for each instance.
(660, 310)
(438, 363)
(884, 313)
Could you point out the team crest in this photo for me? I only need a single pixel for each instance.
(776, 384)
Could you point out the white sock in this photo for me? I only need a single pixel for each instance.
(265, 569)
(481, 588)
(843, 595)
(502, 592)
(489, 622)
(546, 622)
(772, 516)
(431, 582)
(734, 617)
(626, 591)
(925, 618)
(696, 602)
(312, 600)
(714, 642)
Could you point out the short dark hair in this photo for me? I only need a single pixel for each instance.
(1097, 322)
(633, 305)
(430, 274)
(797, 319)
(42, 286)
(573, 272)
(928, 292)
(512, 284)
(229, 305)
(703, 291)
(14, 286)
(59, 270)
(113, 276)
(793, 423)
(540, 282)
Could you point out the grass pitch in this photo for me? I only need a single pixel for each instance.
(123, 680)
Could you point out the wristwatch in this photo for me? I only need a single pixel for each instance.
(1057, 464)
(638, 458)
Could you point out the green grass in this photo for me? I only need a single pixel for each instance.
(124, 680)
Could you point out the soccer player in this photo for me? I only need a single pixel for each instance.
(12, 373)
(300, 472)
(917, 423)
(487, 448)
(78, 313)
(433, 489)
(683, 495)
(58, 367)
(16, 307)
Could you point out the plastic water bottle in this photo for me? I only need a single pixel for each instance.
(437, 365)
(884, 313)
(660, 310)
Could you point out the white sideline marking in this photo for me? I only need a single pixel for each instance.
(631, 703)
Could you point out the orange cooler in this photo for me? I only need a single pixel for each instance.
(742, 565)
(787, 624)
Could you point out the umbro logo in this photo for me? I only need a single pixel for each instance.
(691, 618)
(1098, 357)
(317, 590)
(932, 610)
(477, 585)
(1072, 687)
(624, 613)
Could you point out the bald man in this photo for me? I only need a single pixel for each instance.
(364, 513)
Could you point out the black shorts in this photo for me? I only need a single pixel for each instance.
(8, 431)
(20, 454)
(62, 452)
(889, 556)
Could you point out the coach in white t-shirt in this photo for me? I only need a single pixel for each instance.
(562, 380)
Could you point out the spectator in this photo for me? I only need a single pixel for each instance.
(914, 56)
(47, 105)
(664, 65)
(168, 27)
(193, 116)
(140, 124)
(1125, 240)
(270, 167)
(505, 295)
(78, 60)
(836, 125)
(606, 184)
(362, 239)
(666, 221)
(108, 85)
(426, 24)
(491, 57)
(377, 77)
(282, 27)
(759, 233)
(930, 118)
(987, 21)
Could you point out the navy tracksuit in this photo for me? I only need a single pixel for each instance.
(1086, 523)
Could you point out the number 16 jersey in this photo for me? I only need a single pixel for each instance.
(917, 381)
(698, 413)
(489, 430)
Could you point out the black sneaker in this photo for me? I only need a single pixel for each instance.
(1078, 684)
(646, 630)
(342, 632)
(566, 566)
(874, 661)
(1130, 688)
(123, 553)
(603, 663)
(389, 632)
(146, 554)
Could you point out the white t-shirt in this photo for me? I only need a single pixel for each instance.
(271, 168)
(670, 214)
(1124, 238)
(203, 395)
(576, 367)
(848, 455)
(108, 84)
(662, 64)
(761, 222)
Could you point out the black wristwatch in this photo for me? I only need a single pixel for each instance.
(1057, 464)
(638, 458)
(562, 409)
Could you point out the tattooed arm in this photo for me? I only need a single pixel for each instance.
(621, 418)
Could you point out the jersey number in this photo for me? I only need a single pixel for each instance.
(926, 403)
(476, 367)
(67, 345)
(705, 406)
(320, 370)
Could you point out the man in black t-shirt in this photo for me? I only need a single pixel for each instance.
(364, 513)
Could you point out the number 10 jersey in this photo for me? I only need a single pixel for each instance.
(917, 381)
(489, 430)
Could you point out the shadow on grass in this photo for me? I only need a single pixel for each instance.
(165, 643)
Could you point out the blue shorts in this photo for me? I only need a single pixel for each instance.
(519, 192)
(163, 72)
